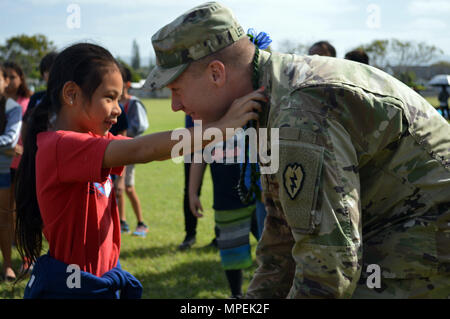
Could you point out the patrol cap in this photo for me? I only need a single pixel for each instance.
(197, 33)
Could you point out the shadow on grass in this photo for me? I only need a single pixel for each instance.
(196, 279)
(156, 251)
(187, 278)
(146, 252)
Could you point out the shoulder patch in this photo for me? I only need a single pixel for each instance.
(293, 177)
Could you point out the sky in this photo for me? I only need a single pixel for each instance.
(346, 24)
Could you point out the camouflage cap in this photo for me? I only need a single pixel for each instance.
(197, 33)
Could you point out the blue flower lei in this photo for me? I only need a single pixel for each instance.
(261, 40)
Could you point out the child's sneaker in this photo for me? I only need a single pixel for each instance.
(141, 230)
(124, 228)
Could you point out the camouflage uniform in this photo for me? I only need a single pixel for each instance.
(364, 179)
(364, 173)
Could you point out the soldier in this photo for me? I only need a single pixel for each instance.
(360, 205)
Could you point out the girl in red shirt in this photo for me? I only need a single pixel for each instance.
(63, 186)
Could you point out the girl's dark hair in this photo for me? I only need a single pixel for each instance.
(85, 64)
(23, 88)
(2, 103)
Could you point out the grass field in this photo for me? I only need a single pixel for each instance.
(155, 261)
(433, 101)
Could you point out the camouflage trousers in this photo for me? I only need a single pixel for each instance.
(275, 276)
(436, 287)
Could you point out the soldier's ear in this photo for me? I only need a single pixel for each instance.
(217, 73)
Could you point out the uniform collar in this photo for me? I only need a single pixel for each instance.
(264, 80)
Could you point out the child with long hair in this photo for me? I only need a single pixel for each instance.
(18, 91)
(63, 186)
(17, 88)
(10, 123)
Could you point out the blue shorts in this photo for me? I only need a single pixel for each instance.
(5, 180)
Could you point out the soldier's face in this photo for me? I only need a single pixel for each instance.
(198, 95)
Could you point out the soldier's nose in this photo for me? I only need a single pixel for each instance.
(176, 105)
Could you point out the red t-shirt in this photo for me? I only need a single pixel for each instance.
(76, 199)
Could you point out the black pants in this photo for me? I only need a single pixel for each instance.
(190, 221)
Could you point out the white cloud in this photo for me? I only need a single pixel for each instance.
(429, 7)
(428, 24)
(342, 22)
(300, 6)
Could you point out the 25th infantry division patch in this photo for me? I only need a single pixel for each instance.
(293, 177)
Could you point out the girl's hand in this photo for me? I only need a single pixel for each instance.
(195, 205)
(242, 110)
(18, 149)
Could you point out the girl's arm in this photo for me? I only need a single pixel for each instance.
(158, 146)
(196, 173)
(10, 136)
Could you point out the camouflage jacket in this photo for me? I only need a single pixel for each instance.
(364, 178)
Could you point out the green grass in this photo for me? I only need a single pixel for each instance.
(164, 271)
(433, 101)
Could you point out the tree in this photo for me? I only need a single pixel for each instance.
(287, 46)
(135, 57)
(410, 79)
(393, 53)
(135, 76)
(377, 51)
(27, 51)
(410, 53)
(442, 64)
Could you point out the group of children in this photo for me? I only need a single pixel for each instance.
(64, 188)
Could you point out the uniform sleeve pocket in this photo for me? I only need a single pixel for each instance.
(299, 180)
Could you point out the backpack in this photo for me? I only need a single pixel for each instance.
(137, 117)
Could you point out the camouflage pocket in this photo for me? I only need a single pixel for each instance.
(299, 178)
